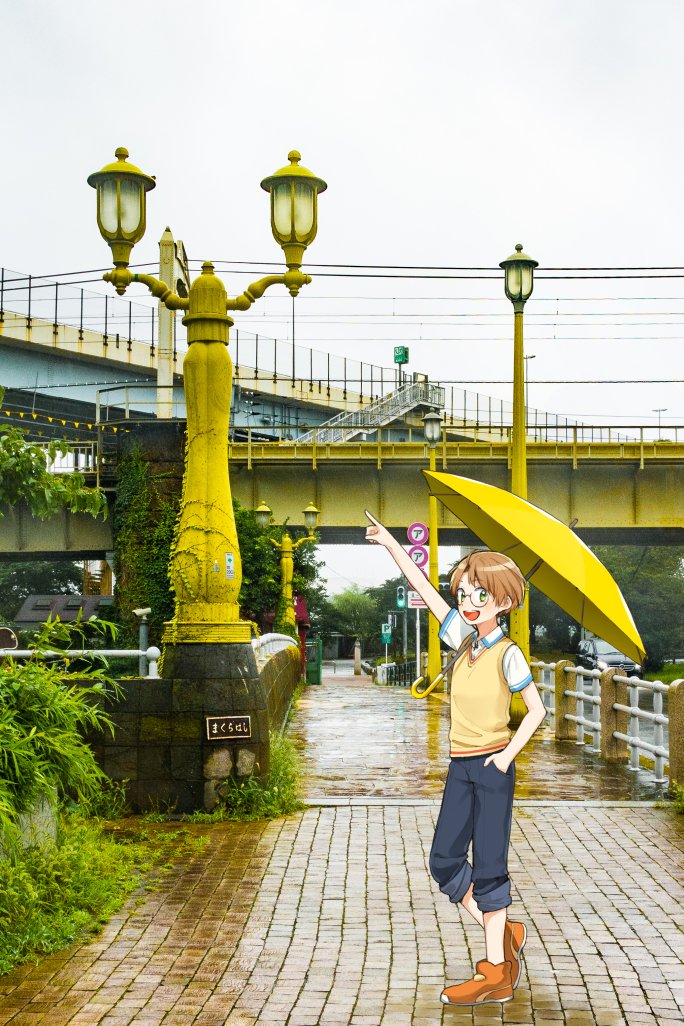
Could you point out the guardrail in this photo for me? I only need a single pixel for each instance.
(268, 644)
(151, 654)
(615, 720)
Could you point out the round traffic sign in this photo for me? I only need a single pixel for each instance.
(417, 533)
(419, 555)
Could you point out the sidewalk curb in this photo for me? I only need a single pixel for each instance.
(521, 803)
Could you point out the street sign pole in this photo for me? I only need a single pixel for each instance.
(418, 643)
(405, 633)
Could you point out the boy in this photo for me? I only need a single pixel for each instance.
(478, 796)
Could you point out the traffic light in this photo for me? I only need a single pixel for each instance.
(401, 597)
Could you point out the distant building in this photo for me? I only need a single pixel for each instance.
(37, 608)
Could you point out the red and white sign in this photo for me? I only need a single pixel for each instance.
(415, 601)
(418, 533)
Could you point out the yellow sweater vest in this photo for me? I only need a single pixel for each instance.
(480, 702)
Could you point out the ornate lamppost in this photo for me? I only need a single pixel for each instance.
(518, 283)
(205, 565)
(285, 613)
(432, 425)
(211, 690)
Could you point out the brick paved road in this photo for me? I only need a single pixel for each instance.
(331, 917)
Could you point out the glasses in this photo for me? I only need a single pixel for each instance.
(478, 596)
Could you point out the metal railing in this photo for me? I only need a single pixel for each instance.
(378, 414)
(397, 674)
(81, 459)
(268, 644)
(657, 751)
(151, 654)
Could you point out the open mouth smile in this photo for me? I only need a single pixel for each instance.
(471, 616)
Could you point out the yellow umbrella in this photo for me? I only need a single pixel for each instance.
(563, 567)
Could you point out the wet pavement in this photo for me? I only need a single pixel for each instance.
(359, 738)
(331, 917)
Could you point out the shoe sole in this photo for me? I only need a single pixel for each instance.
(469, 1004)
(516, 981)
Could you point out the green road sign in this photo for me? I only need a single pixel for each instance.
(401, 354)
(386, 634)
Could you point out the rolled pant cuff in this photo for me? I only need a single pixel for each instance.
(457, 888)
(491, 906)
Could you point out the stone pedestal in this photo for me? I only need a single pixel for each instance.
(160, 743)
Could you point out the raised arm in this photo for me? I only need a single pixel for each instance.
(379, 535)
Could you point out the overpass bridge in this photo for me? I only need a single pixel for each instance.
(73, 367)
(619, 492)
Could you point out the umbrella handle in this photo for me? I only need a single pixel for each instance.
(425, 691)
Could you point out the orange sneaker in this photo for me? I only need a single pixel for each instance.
(515, 936)
(491, 983)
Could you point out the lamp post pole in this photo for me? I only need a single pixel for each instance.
(285, 619)
(432, 424)
(519, 281)
(659, 410)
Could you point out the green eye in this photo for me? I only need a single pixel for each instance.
(480, 597)
(460, 596)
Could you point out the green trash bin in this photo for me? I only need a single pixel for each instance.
(314, 661)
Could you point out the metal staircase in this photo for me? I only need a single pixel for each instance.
(390, 408)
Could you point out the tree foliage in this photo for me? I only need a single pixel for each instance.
(24, 477)
(651, 579)
(356, 613)
(145, 518)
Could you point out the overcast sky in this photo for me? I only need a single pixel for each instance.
(447, 132)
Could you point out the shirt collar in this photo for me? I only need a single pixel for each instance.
(489, 639)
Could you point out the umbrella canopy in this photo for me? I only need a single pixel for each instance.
(564, 568)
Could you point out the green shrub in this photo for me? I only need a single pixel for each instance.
(54, 895)
(45, 706)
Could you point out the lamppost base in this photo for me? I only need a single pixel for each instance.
(188, 632)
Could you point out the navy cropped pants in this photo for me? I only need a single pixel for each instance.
(477, 807)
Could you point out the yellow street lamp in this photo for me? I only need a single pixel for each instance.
(432, 426)
(205, 570)
(285, 619)
(518, 283)
(121, 190)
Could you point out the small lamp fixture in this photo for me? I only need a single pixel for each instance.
(294, 208)
(519, 277)
(311, 515)
(121, 189)
(263, 514)
(432, 426)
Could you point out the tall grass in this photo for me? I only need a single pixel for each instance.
(54, 895)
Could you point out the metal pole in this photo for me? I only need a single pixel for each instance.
(434, 657)
(634, 727)
(143, 631)
(658, 738)
(520, 618)
(405, 633)
(417, 642)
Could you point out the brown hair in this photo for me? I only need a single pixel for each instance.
(494, 571)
